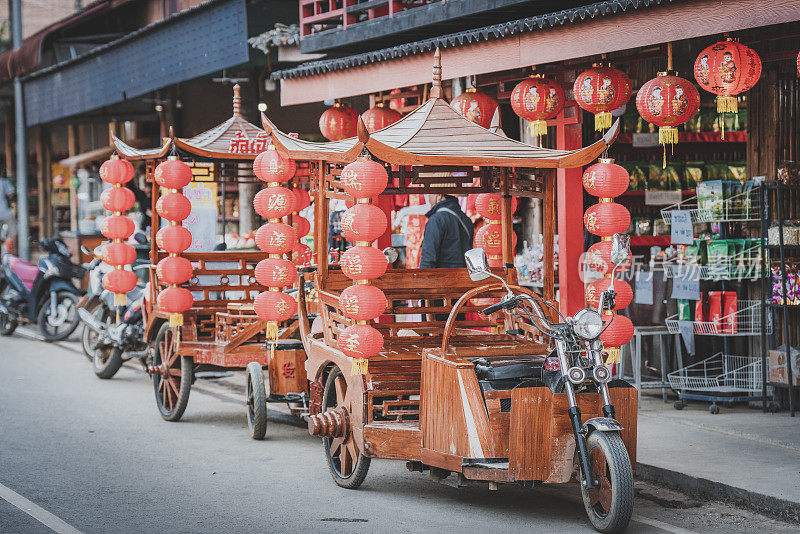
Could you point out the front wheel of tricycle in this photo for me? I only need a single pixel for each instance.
(611, 505)
(348, 465)
(172, 375)
(256, 401)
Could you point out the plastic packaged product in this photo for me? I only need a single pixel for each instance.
(709, 197)
(715, 308)
(692, 174)
(701, 309)
(718, 251)
(684, 310)
(730, 306)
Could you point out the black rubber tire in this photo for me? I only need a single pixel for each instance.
(620, 475)
(7, 325)
(713, 409)
(71, 325)
(176, 412)
(774, 407)
(102, 314)
(256, 401)
(359, 473)
(679, 405)
(106, 362)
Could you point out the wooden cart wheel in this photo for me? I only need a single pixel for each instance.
(172, 375)
(347, 464)
(256, 401)
(473, 293)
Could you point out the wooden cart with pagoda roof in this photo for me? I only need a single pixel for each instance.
(426, 398)
(221, 332)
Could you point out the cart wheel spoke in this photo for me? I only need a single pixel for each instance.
(173, 371)
(345, 461)
(341, 390)
(336, 446)
(604, 494)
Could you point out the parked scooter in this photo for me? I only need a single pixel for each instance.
(44, 294)
(112, 334)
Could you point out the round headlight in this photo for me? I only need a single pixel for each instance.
(588, 324)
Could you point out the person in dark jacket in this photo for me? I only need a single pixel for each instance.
(448, 234)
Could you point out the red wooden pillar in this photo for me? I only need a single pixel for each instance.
(569, 205)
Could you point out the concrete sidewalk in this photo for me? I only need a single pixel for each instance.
(740, 455)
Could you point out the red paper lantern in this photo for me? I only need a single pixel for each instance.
(301, 226)
(120, 281)
(174, 207)
(618, 333)
(129, 166)
(798, 64)
(276, 272)
(362, 302)
(475, 106)
(537, 99)
(174, 239)
(667, 101)
(270, 166)
(495, 262)
(175, 299)
(363, 222)
(607, 218)
(274, 306)
(606, 179)
(276, 238)
(379, 117)
(301, 254)
(598, 258)
(489, 206)
(118, 254)
(600, 90)
(489, 237)
(116, 171)
(173, 174)
(117, 199)
(274, 202)
(302, 199)
(360, 341)
(726, 69)
(117, 227)
(339, 122)
(363, 263)
(596, 288)
(364, 178)
(174, 270)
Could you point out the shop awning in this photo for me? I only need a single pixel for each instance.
(98, 154)
(170, 51)
(580, 32)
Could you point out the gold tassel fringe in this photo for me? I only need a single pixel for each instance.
(538, 128)
(360, 366)
(614, 355)
(272, 330)
(667, 135)
(727, 104)
(175, 319)
(602, 121)
(120, 299)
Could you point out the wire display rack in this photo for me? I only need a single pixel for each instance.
(720, 373)
(746, 321)
(742, 266)
(741, 207)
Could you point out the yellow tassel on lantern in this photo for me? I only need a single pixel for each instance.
(359, 366)
(538, 128)
(175, 319)
(602, 121)
(614, 355)
(272, 330)
(727, 104)
(120, 299)
(667, 135)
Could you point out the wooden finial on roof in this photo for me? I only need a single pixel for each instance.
(237, 101)
(363, 133)
(436, 90)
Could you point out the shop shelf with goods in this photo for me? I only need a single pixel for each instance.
(720, 378)
(780, 288)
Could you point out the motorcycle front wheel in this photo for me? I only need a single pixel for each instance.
(59, 326)
(107, 361)
(610, 505)
(7, 325)
(89, 337)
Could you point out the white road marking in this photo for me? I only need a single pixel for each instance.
(661, 525)
(44, 517)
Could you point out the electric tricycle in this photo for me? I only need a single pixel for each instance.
(515, 392)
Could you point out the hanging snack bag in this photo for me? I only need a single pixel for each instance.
(715, 309)
(684, 310)
(729, 308)
(709, 197)
(692, 174)
(701, 309)
(718, 251)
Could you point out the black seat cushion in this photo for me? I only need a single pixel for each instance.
(509, 371)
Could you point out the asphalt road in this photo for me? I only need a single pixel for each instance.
(86, 455)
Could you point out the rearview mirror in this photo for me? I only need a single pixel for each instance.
(477, 264)
(620, 249)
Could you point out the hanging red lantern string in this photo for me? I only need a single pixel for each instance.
(379, 117)
(475, 106)
(600, 90)
(608, 180)
(727, 69)
(276, 238)
(118, 227)
(537, 99)
(489, 237)
(173, 175)
(339, 122)
(362, 223)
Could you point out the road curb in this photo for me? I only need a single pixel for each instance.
(709, 489)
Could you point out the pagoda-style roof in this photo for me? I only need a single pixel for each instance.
(436, 134)
(236, 138)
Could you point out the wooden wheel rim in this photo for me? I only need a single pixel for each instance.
(167, 378)
(343, 452)
(600, 498)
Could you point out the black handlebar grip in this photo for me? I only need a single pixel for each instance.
(493, 308)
